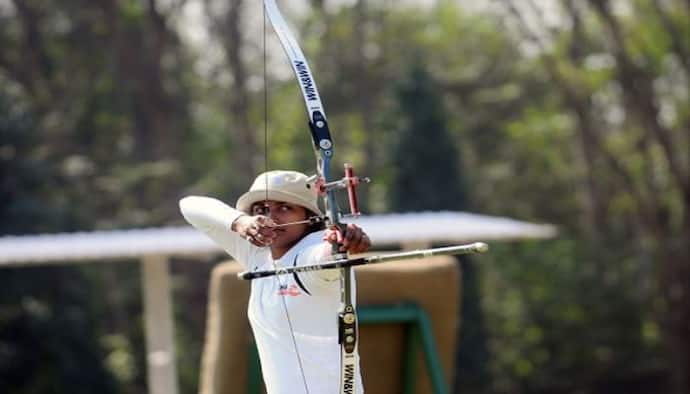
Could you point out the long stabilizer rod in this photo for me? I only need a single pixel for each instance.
(477, 247)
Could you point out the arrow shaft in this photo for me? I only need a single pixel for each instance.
(477, 247)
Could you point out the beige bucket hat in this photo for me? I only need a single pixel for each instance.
(288, 186)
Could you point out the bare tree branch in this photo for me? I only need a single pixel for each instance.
(589, 133)
(677, 44)
(639, 95)
(31, 68)
(228, 28)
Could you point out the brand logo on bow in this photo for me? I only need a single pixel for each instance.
(306, 80)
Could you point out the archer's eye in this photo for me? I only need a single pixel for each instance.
(260, 210)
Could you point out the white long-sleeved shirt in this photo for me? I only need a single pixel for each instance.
(307, 301)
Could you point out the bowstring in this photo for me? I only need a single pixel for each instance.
(266, 167)
(265, 76)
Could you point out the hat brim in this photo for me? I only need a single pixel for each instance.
(245, 202)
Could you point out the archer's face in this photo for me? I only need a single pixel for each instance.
(283, 212)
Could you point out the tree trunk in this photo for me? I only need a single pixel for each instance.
(675, 286)
(239, 99)
(228, 28)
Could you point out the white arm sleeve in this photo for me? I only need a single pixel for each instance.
(214, 218)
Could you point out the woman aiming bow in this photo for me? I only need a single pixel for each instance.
(277, 224)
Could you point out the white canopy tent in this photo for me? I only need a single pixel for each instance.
(155, 246)
(391, 230)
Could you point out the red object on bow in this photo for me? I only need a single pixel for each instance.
(352, 182)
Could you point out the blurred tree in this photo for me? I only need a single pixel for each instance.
(423, 146)
(623, 76)
(228, 26)
(48, 335)
(106, 82)
(427, 176)
(25, 176)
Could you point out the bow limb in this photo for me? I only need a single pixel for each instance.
(318, 124)
(323, 148)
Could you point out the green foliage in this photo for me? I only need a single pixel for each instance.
(427, 176)
(423, 147)
(554, 311)
(25, 175)
(48, 333)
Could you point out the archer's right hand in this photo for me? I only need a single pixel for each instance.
(259, 229)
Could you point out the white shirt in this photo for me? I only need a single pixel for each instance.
(308, 302)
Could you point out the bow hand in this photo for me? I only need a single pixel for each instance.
(354, 241)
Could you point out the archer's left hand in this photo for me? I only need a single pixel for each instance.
(355, 240)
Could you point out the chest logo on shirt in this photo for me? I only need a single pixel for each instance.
(291, 290)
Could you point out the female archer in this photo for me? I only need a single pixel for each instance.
(277, 223)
